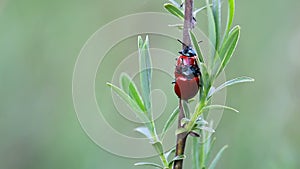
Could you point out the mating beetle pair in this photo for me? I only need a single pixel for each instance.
(187, 74)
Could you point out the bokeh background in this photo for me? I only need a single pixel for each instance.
(39, 44)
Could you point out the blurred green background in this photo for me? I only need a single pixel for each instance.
(39, 44)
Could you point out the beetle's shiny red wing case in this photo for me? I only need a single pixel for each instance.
(187, 77)
(186, 88)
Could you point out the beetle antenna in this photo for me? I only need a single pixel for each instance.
(182, 43)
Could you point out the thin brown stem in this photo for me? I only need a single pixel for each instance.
(181, 139)
(188, 25)
(188, 21)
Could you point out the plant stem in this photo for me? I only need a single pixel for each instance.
(156, 139)
(188, 25)
(202, 150)
(162, 157)
(196, 115)
(188, 22)
(181, 139)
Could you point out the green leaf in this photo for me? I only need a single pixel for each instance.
(202, 155)
(231, 10)
(216, 8)
(228, 48)
(208, 142)
(211, 33)
(167, 154)
(219, 107)
(174, 10)
(200, 121)
(217, 158)
(199, 10)
(197, 47)
(205, 79)
(145, 131)
(180, 157)
(170, 121)
(178, 26)
(148, 164)
(126, 98)
(205, 128)
(237, 80)
(186, 109)
(184, 121)
(146, 71)
(158, 147)
(125, 82)
(196, 153)
(130, 88)
(210, 147)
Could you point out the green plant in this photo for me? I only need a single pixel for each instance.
(224, 42)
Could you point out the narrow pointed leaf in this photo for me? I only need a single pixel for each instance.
(158, 147)
(146, 71)
(219, 107)
(186, 109)
(217, 158)
(204, 79)
(198, 111)
(196, 153)
(200, 121)
(202, 157)
(148, 164)
(211, 34)
(145, 131)
(125, 82)
(184, 121)
(179, 157)
(216, 8)
(228, 48)
(216, 64)
(211, 92)
(210, 147)
(199, 10)
(167, 154)
(174, 10)
(234, 32)
(197, 47)
(130, 88)
(140, 42)
(178, 26)
(237, 80)
(207, 129)
(231, 10)
(126, 98)
(208, 142)
(170, 121)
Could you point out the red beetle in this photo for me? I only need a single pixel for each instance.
(187, 74)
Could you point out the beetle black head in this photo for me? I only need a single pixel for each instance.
(187, 50)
